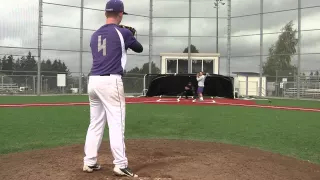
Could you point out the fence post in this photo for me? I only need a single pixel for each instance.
(261, 47)
(144, 84)
(277, 86)
(189, 41)
(247, 85)
(81, 47)
(150, 34)
(39, 46)
(229, 39)
(2, 81)
(41, 83)
(34, 84)
(299, 47)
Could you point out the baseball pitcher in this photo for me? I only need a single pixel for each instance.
(109, 45)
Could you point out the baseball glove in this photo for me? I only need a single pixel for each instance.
(134, 32)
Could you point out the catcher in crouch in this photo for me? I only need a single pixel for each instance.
(188, 90)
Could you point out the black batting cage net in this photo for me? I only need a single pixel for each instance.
(173, 85)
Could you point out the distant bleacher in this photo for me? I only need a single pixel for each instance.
(9, 88)
(305, 93)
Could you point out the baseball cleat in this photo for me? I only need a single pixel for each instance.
(91, 168)
(124, 172)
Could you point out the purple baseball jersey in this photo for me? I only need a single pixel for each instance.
(109, 46)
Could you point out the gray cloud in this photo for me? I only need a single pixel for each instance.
(18, 21)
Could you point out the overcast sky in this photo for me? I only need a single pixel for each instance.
(19, 20)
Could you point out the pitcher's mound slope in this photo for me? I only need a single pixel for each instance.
(162, 159)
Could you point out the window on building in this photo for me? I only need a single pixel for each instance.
(171, 66)
(208, 66)
(183, 66)
(196, 66)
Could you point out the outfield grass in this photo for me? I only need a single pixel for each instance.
(290, 102)
(293, 133)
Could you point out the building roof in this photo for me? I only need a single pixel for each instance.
(192, 54)
(247, 73)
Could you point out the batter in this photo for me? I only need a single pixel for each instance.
(201, 79)
(109, 45)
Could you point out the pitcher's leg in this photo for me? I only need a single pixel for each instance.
(116, 120)
(116, 136)
(95, 130)
(114, 104)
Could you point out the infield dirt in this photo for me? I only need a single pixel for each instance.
(160, 159)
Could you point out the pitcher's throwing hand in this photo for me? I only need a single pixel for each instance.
(109, 45)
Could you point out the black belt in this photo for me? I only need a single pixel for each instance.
(109, 75)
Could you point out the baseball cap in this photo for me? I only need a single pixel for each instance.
(115, 6)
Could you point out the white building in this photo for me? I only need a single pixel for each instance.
(248, 84)
(178, 63)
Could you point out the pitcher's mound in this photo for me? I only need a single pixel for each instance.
(160, 159)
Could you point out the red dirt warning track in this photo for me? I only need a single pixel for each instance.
(172, 101)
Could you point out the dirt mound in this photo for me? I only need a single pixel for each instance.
(162, 159)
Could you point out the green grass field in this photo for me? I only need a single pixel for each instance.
(289, 102)
(293, 133)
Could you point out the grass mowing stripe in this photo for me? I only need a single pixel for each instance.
(290, 103)
(288, 132)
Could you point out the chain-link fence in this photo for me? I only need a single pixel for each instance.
(27, 84)
(42, 38)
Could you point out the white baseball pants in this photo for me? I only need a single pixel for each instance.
(107, 104)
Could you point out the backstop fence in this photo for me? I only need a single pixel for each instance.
(278, 40)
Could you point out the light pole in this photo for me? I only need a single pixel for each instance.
(217, 3)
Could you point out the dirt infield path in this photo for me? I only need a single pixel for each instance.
(164, 159)
(171, 101)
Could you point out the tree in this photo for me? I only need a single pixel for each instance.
(26, 66)
(133, 78)
(280, 53)
(134, 70)
(303, 76)
(193, 49)
(311, 74)
(30, 64)
(2, 60)
(314, 75)
(8, 65)
(145, 69)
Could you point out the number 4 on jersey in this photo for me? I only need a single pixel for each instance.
(102, 46)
